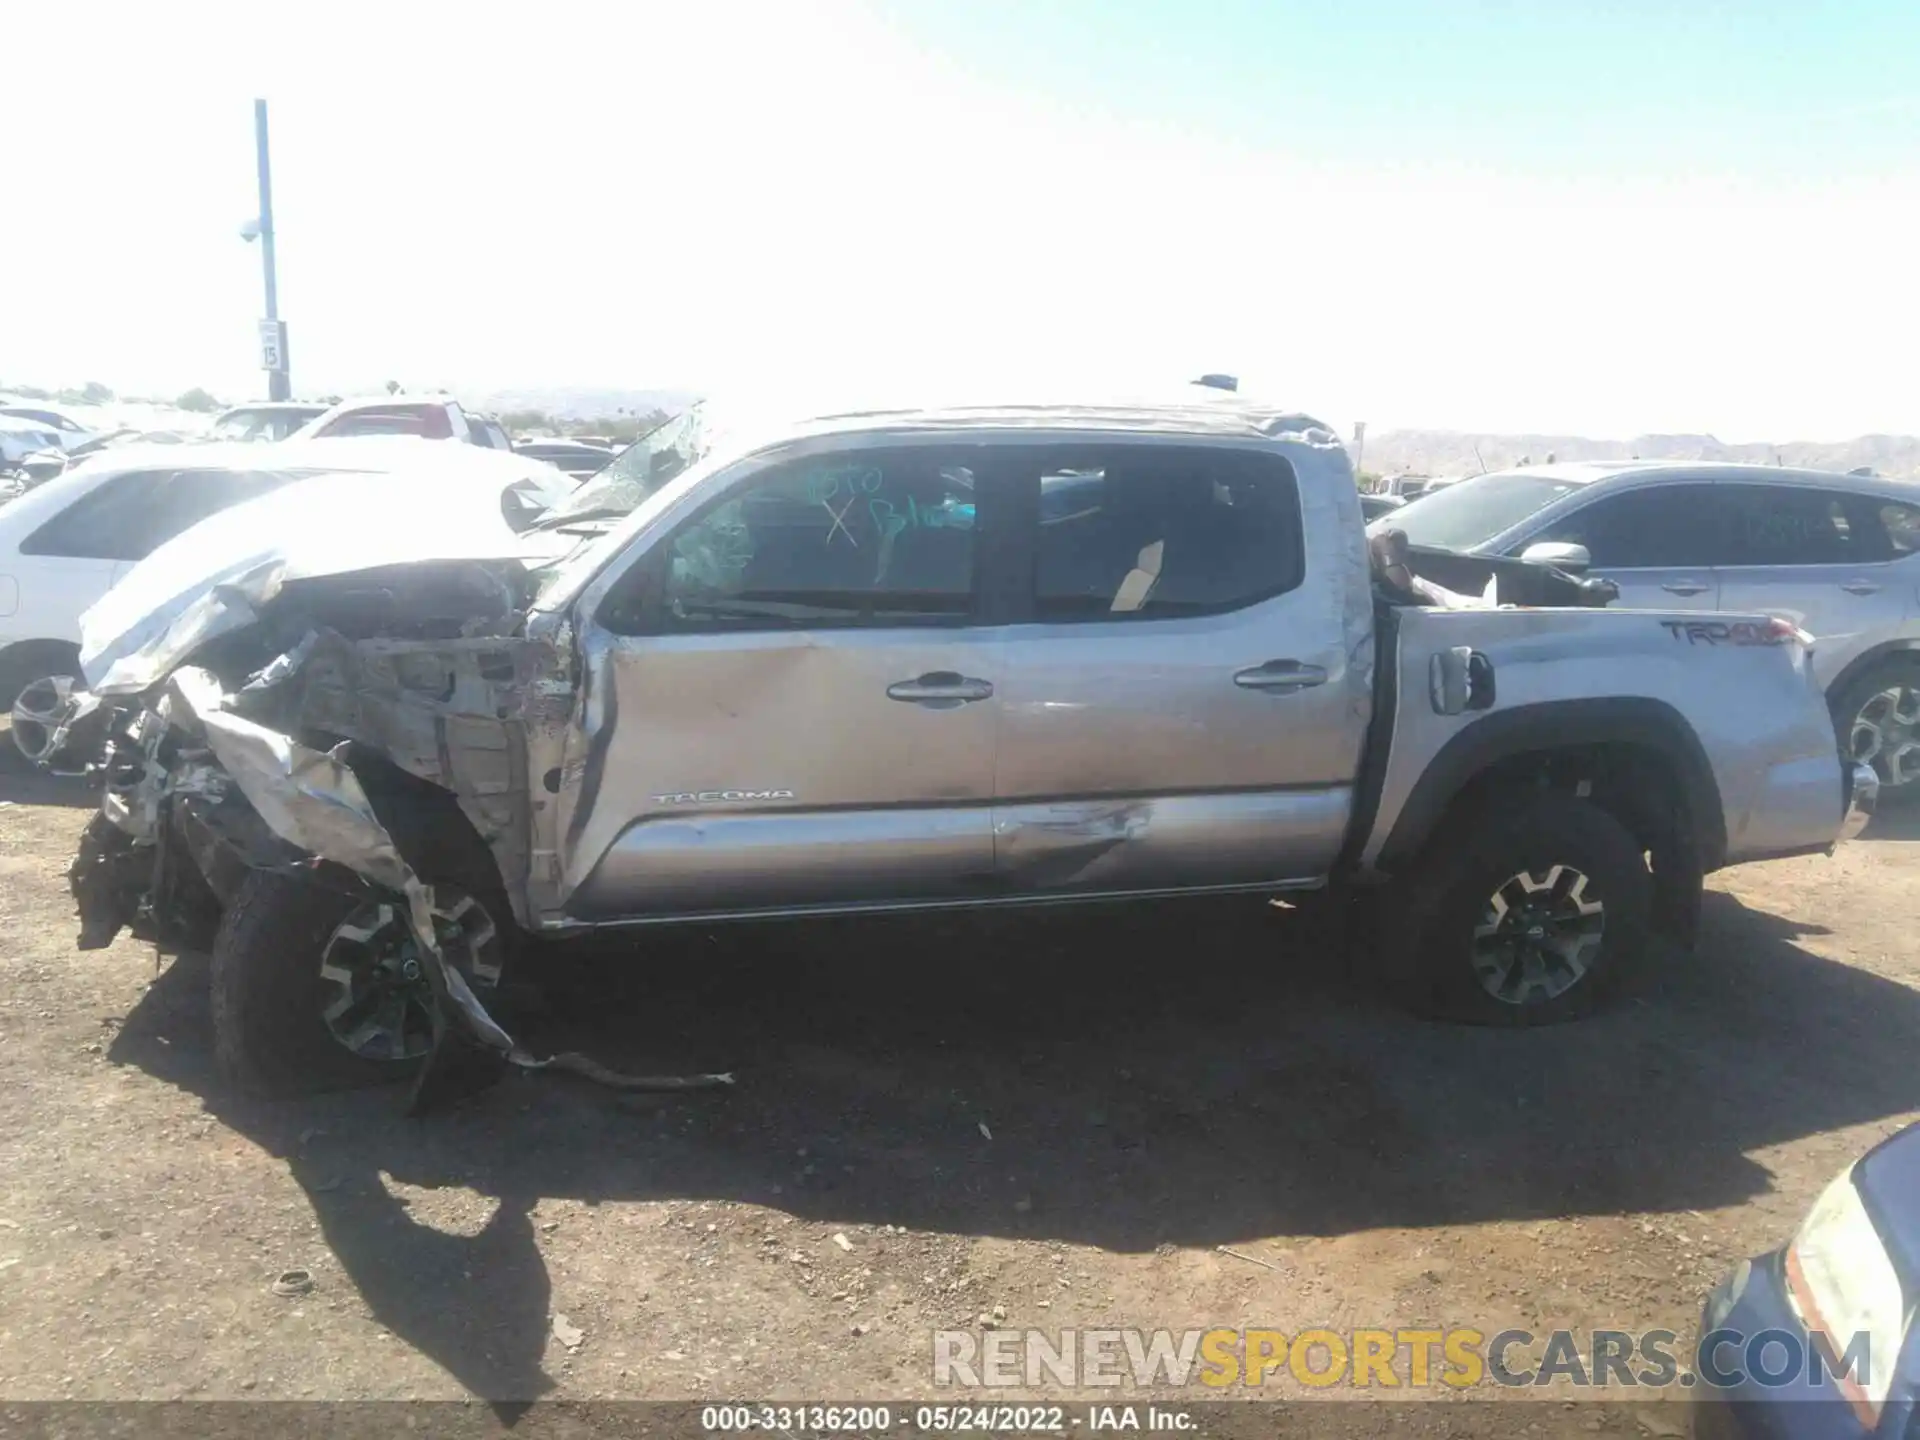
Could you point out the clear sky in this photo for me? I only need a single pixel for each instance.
(1603, 217)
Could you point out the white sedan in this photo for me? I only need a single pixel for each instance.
(66, 544)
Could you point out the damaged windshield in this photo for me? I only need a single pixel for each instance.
(639, 470)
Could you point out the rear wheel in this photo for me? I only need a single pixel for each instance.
(1521, 913)
(1877, 717)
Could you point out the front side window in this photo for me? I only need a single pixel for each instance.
(1661, 527)
(1148, 532)
(862, 539)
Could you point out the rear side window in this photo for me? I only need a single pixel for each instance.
(1654, 528)
(132, 515)
(1150, 532)
(1902, 524)
(1794, 525)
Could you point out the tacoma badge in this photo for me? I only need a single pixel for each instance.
(707, 797)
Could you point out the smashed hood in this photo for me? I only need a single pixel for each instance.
(218, 576)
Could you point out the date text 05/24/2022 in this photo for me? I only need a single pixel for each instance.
(943, 1419)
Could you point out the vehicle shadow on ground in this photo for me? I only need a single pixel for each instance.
(1187, 1074)
(23, 784)
(1900, 821)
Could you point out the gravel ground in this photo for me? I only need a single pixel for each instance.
(1047, 1120)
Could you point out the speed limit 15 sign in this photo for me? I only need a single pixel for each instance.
(273, 345)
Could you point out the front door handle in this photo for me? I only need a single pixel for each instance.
(1861, 587)
(1685, 587)
(1280, 677)
(940, 690)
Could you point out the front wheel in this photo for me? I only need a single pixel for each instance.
(317, 989)
(1523, 912)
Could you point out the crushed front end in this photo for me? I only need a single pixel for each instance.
(347, 712)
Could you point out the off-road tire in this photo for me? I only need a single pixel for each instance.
(268, 995)
(1435, 907)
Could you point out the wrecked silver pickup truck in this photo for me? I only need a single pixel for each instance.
(903, 660)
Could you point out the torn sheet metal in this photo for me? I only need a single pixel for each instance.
(461, 714)
(219, 576)
(310, 798)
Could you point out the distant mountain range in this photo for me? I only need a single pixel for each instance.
(1447, 452)
(1391, 452)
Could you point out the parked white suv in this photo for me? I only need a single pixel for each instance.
(65, 544)
(1839, 555)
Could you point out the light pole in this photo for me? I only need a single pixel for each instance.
(273, 330)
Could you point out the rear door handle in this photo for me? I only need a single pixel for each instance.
(940, 690)
(1280, 677)
(1861, 587)
(1685, 587)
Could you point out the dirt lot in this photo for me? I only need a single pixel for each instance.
(1051, 1120)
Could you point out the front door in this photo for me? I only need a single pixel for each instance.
(1658, 542)
(1176, 707)
(791, 702)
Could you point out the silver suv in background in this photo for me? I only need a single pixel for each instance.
(1839, 555)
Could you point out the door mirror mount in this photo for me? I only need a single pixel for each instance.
(1574, 559)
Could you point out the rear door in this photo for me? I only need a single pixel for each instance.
(1836, 564)
(1174, 708)
(791, 700)
(1660, 542)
